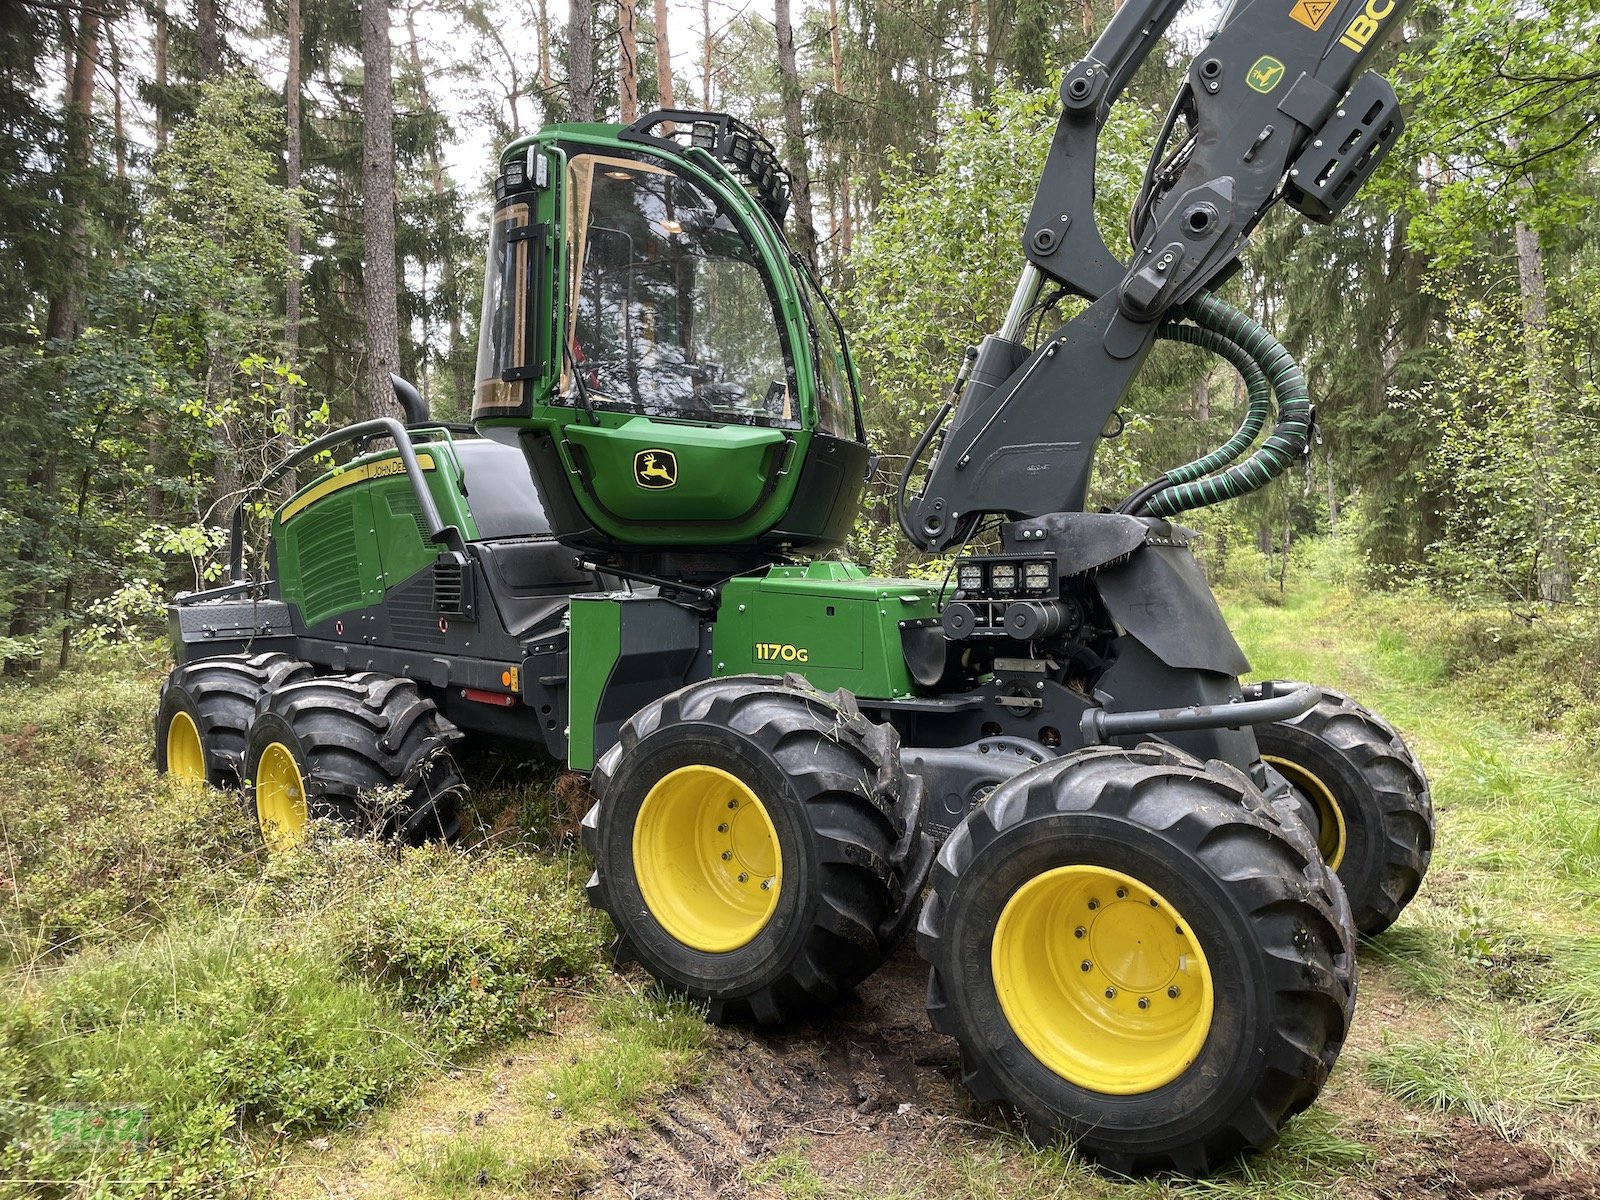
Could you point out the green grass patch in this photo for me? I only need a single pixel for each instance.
(478, 1163)
(646, 1045)
(93, 844)
(790, 1174)
(1492, 1069)
(465, 943)
(205, 1034)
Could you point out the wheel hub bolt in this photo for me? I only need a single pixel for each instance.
(1144, 1001)
(723, 828)
(1153, 904)
(744, 877)
(733, 804)
(766, 885)
(1087, 965)
(1111, 993)
(726, 855)
(1122, 893)
(1093, 904)
(1172, 993)
(1079, 931)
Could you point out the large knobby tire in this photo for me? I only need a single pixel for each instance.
(367, 750)
(1133, 955)
(1370, 797)
(756, 845)
(205, 711)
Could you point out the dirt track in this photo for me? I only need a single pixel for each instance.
(872, 1100)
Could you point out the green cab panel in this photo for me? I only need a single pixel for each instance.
(828, 621)
(649, 471)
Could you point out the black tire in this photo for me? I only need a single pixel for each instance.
(1209, 855)
(219, 696)
(1380, 838)
(846, 822)
(351, 736)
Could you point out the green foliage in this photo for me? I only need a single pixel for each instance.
(1515, 471)
(203, 1030)
(96, 844)
(1502, 101)
(463, 944)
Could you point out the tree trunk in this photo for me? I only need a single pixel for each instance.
(794, 133)
(707, 46)
(1554, 573)
(663, 57)
(161, 37)
(580, 55)
(379, 271)
(291, 284)
(846, 221)
(208, 40)
(628, 60)
(546, 78)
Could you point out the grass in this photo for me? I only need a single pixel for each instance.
(1504, 941)
(643, 1045)
(440, 1023)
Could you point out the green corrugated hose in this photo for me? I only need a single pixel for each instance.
(1267, 367)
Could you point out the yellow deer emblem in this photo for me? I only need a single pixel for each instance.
(655, 468)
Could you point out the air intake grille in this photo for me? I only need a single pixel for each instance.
(447, 587)
(330, 570)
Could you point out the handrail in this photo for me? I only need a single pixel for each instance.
(1099, 726)
(437, 530)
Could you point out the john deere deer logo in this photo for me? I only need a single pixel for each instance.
(655, 469)
(1265, 74)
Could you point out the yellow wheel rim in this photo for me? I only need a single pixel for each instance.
(1102, 980)
(707, 859)
(186, 757)
(280, 798)
(1332, 837)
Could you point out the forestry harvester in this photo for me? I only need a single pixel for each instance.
(1137, 882)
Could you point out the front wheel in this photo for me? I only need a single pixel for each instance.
(756, 845)
(1370, 797)
(1132, 953)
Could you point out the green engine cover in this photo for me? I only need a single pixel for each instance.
(346, 537)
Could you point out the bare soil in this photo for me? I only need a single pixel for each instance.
(870, 1098)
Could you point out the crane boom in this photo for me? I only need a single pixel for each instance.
(1274, 108)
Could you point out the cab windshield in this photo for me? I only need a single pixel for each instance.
(671, 315)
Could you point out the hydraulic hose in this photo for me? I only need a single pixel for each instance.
(1289, 436)
(1259, 402)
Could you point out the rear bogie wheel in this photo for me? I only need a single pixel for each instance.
(1370, 797)
(756, 845)
(1133, 955)
(367, 751)
(205, 711)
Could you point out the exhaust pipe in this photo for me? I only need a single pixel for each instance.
(410, 400)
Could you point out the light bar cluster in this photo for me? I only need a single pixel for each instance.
(1005, 577)
(753, 158)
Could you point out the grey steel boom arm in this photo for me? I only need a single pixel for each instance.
(1268, 112)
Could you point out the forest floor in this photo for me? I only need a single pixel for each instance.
(1472, 1070)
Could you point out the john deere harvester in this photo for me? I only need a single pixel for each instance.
(1127, 871)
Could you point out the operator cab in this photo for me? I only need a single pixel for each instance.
(673, 374)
